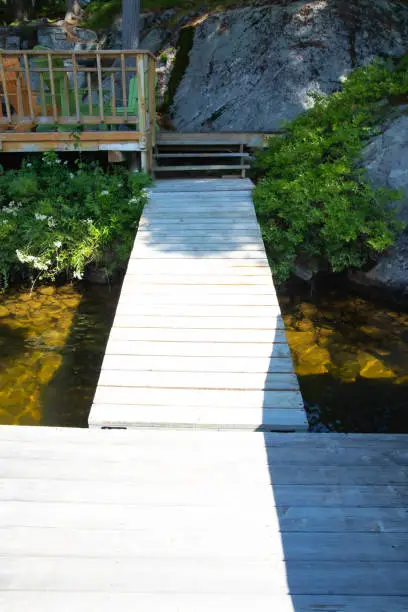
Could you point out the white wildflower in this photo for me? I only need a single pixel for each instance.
(105, 192)
(23, 258)
(58, 161)
(29, 164)
(40, 217)
(58, 244)
(51, 222)
(65, 163)
(40, 265)
(71, 176)
(120, 184)
(134, 200)
(78, 274)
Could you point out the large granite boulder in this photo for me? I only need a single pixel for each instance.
(251, 69)
(55, 37)
(386, 159)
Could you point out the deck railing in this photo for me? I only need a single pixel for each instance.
(94, 89)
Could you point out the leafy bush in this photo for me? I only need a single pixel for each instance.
(57, 220)
(314, 201)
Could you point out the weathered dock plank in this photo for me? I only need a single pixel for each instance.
(197, 520)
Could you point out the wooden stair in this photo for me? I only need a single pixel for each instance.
(202, 154)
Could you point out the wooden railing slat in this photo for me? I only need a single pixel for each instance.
(28, 84)
(141, 92)
(89, 87)
(42, 95)
(124, 85)
(5, 89)
(52, 85)
(76, 91)
(100, 89)
(113, 94)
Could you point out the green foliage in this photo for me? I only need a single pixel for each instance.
(11, 10)
(57, 220)
(102, 13)
(314, 201)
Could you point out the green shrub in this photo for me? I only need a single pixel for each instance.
(314, 202)
(57, 220)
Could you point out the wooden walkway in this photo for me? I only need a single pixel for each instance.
(192, 521)
(198, 338)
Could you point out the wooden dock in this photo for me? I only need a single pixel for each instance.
(192, 521)
(198, 338)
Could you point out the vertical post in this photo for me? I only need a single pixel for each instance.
(29, 90)
(5, 89)
(52, 86)
(140, 62)
(140, 59)
(124, 85)
(42, 96)
(241, 150)
(152, 99)
(20, 104)
(76, 92)
(113, 94)
(100, 89)
(89, 86)
(66, 96)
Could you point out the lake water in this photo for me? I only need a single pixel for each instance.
(350, 353)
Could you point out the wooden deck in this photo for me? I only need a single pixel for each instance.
(85, 100)
(192, 521)
(198, 338)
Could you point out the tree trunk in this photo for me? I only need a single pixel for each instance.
(70, 4)
(20, 9)
(130, 24)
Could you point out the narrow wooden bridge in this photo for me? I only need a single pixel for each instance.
(198, 338)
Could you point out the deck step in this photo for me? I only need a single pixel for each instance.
(192, 154)
(198, 168)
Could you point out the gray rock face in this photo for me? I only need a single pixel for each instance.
(386, 159)
(251, 69)
(54, 37)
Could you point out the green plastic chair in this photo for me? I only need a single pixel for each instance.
(65, 97)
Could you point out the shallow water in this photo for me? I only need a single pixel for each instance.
(51, 348)
(350, 353)
(351, 358)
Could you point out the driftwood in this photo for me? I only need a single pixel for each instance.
(73, 16)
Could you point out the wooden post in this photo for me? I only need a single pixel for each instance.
(5, 89)
(113, 94)
(152, 99)
(76, 92)
(140, 59)
(52, 85)
(124, 85)
(100, 89)
(29, 90)
(42, 96)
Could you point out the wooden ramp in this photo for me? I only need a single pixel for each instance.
(193, 521)
(198, 338)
